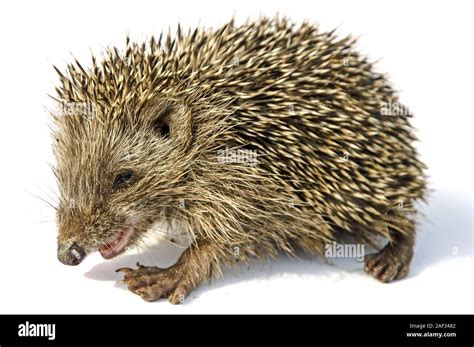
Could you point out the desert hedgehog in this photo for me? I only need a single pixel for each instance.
(250, 139)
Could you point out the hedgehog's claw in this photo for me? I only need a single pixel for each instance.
(152, 283)
(125, 270)
(386, 265)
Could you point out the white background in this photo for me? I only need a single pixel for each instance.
(427, 48)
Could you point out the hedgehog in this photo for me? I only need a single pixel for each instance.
(251, 140)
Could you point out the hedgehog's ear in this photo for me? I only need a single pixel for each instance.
(170, 120)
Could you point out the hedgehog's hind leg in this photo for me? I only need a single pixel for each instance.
(393, 261)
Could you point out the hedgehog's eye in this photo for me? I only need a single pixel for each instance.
(123, 179)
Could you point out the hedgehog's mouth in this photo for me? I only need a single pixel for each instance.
(116, 243)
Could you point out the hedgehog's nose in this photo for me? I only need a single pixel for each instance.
(70, 253)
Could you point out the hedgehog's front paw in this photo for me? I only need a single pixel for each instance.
(152, 283)
(386, 265)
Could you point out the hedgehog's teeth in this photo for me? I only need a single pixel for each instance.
(116, 243)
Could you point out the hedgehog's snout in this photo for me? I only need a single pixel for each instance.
(71, 253)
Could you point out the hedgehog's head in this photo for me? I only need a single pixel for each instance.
(118, 172)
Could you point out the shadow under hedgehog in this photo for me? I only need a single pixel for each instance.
(266, 137)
